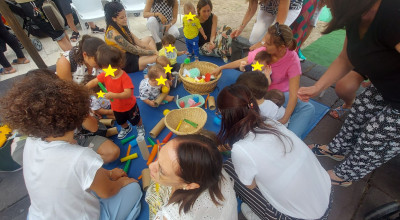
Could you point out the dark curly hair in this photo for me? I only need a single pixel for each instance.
(42, 105)
(111, 10)
(87, 44)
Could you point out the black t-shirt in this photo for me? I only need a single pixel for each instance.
(207, 26)
(375, 55)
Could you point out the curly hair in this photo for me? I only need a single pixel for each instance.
(111, 10)
(42, 105)
(87, 44)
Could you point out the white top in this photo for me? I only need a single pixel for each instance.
(270, 110)
(204, 207)
(58, 176)
(147, 91)
(294, 182)
(81, 70)
(98, 103)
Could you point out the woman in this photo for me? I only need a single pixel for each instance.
(219, 42)
(200, 188)
(138, 52)
(162, 16)
(370, 135)
(80, 61)
(281, 11)
(275, 173)
(285, 76)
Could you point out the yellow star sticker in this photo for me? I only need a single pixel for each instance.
(161, 81)
(110, 71)
(190, 16)
(100, 94)
(170, 48)
(257, 66)
(168, 69)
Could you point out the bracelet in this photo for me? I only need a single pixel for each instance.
(154, 14)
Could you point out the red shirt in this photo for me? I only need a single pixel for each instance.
(118, 86)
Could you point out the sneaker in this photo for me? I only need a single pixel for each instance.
(248, 213)
(301, 56)
(98, 30)
(124, 131)
(140, 130)
(74, 36)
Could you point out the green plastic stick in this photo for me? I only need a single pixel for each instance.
(127, 165)
(102, 87)
(126, 140)
(191, 123)
(151, 141)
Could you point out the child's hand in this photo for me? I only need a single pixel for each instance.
(267, 71)
(109, 95)
(205, 37)
(242, 65)
(152, 103)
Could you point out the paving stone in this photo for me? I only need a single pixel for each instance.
(315, 72)
(306, 66)
(387, 178)
(17, 211)
(12, 188)
(373, 199)
(324, 131)
(328, 97)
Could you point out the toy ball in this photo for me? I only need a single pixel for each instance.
(186, 61)
(165, 89)
(217, 120)
(182, 104)
(191, 102)
(208, 77)
(165, 112)
(195, 72)
(196, 99)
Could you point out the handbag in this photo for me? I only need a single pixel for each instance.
(53, 15)
(240, 48)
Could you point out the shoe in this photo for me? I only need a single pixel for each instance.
(7, 71)
(140, 130)
(98, 30)
(248, 213)
(338, 112)
(343, 183)
(75, 36)
(16, 61)
(318, 151)
(124, 131)
(301, 56)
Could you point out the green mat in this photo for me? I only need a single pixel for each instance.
(325, 50)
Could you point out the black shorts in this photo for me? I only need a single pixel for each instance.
(132, 63)
(64, 6)
(133, 116)
(40, 22)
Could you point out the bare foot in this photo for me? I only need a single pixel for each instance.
(169, 98)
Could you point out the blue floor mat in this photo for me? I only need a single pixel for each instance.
(151, 116)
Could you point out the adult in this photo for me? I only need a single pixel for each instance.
(285, 76)
(200, 188)
(80, 60)
(64, 180)
(138, 52)
(370, 135)
(275, 173)
(218, 42)
(281, 11)
(161, 18)
(11, 40)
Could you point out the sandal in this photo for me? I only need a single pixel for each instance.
(318, 151)
(343, 183)
(98, 30)
(74, 36)
(5, 71)
(16, 62)
(338, 112)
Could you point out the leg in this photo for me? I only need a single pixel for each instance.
(149, 41)
(291, 17)
(346, 88)
(124, 205)
(174, 31)
(155, 29)
(64, 43)
(264, 20)
(189, 46)
(195, 44)
(144, 60)
(108, 151)
(11, 40)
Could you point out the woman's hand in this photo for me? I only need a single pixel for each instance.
(305, 93)
(255, 46)
(161, 17)
(167, 27)
(236, 33)
(216, 72)
(117, 173)
(211, 46)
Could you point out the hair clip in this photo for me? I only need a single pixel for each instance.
(250, 105)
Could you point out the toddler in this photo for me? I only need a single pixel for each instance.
(263, 58)
(120, 90)
(148, 88)
(164, 62)
(191, 29)
(167, 40)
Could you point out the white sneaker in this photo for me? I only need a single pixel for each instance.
(140, 130)
(124, 131)
(248, 213)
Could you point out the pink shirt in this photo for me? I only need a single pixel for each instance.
(252, 54)
(283, 70)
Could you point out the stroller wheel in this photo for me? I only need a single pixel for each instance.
(384, 212)
(136, 14)
(37, 44)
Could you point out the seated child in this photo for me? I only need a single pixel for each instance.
(148, 88)
(276, 96)
(258, 85)
(164, 62)
(63, 179)
(167, 40)
(191, 29)
(100, 106)
(120, 90)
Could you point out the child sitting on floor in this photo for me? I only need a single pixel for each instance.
(120, 90)
(169, 40)
(258, 85)
(63, 179)
(171, 76)
(148, 88)
(191, 29)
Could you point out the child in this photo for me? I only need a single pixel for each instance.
(191, 29)
(276, 96)
(164, 62)
(120, 90)
(100, 106)
(263, 58)
(258, 85)
(62, 178)
(149, 90)
(167, 40)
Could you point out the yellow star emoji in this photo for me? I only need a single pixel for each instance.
(100, 94)
(257, 66)
(170, 48)
(161, 81)
(190, 16)
(168, 69)
(109, 71)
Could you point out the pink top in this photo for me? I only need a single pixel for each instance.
(252, 54)
(283, 70)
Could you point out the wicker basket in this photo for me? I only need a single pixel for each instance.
(196, 87)
(196, 115)
(186, 98)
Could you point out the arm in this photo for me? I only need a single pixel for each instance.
(213, 29)
(149, 102)
(397, 47)
(283, 10)
(90, 123)
(251, 10)
(105, 187)
(147, 9)
(123, 95)
(174, 13)
(63, 69)
(92, 83)
(126, 45)
(231, 65)
(294, 83)
(201, 30)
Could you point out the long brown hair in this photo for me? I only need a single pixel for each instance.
(87, 44)
(111, 10)
(284, 38)
(345, 12)
(203, 3)
(200, 162)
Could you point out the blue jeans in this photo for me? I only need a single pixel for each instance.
(193, 46)
(301, 116)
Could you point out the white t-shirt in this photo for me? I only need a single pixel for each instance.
(98, 103)
(81, 70)
(270, 110)
(58, 176)
(147, 91)
(290, 178)
(204, 207)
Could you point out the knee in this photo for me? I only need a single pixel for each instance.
(174, 31)
(108, 151)
(306, 108)
(152, 23)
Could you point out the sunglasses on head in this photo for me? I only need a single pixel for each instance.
(279, 33)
